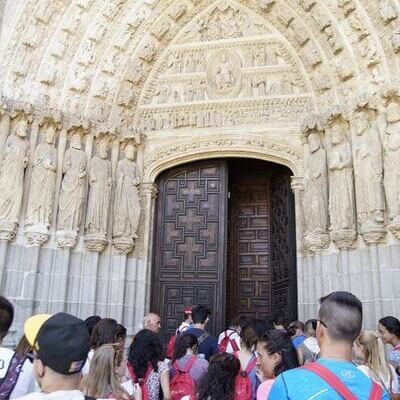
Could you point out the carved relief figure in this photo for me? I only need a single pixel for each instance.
(368, 170)
(224, 78)
(15, 160)
(316, 193)
(43, 181)
(392, 160)
(387, 10)
(99, 191)
(341, 186)
(73, 186)
(127, 203)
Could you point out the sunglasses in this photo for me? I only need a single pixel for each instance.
(315, 323)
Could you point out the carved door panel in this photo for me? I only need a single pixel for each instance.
(190, 241)
(283, 254)
(249, 283)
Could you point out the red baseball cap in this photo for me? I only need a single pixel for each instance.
(188, 310)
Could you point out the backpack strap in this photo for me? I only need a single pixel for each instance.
(233, 343)
(251, 365)
(202, 338)
(330, 378)
(376, 392)
(187, 367)
(8, 382)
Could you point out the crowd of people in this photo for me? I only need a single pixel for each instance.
(63, 357)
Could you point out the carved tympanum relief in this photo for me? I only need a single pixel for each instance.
(14, 162)
(368, 171)
(73, 191)
(100, 183)
(126, 201)
(39, 211)
(315, 192)
(217, 73)
(341, 181)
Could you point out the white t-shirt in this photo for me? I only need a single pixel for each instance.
(392, 380)
(85, 369)
(233, 336)
(59, 395)
(26, 379)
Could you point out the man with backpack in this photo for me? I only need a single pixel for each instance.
(208, 345)
(334, 376)
(184, 326)
(229, 340)
(16, 372)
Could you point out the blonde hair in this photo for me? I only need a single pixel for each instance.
(374, 355)
(101, 381)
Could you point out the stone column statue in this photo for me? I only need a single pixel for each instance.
(99, 198)
(72, 194)
(391, 143)
(368, 171)
(341, 183)
(315, 195)
(126, 202)
(43, 186)
(14, 162)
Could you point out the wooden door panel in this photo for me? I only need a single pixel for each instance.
(249, 261)
(190, 250)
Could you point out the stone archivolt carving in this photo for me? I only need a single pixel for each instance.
(100, 184)
(341, 181)
(315, 197)
(126, 201)
(391, 144)
(368, 171)
(14, 162)
(387, 10)
(73, 190)
(39, 211)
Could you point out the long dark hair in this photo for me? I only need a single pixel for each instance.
(392, 324)
(104, 332)
(278, 341)
(219, 381)
(183, 342)
(145, 349)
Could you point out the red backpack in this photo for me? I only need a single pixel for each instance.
(182, 384)
(171, 346)
(141, 381)
(226, 340)
(332, 380)
(243, 390)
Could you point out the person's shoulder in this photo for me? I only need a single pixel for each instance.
(6, 352)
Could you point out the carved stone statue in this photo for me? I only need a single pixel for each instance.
(392, 163)
(15, 160)
(341, 186)
(72, 194)
(224, 78)
(368, 171)
(43, 186)
(315, 205)
(126, 202)
(99, 198)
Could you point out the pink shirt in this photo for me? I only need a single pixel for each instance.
(264, 389)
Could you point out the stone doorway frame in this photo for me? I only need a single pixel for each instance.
(161, 158)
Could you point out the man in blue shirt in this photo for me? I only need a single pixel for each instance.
(208, 345)
(339, 324)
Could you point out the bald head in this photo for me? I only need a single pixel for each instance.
(152, 322)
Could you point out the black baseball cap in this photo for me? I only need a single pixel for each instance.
(61, 341)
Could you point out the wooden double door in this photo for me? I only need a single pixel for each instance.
(224, 237)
